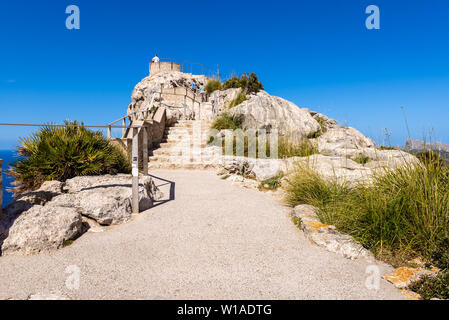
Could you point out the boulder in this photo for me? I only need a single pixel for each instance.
(106, 199)
(343, 141)
(263, 111)
(42, 228)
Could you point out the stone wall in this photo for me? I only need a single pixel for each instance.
(157, 67)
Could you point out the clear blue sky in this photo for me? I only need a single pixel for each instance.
(317, 54)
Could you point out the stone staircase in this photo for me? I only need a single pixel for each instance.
(184, 147)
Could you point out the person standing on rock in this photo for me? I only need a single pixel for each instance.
(194, 86)
(155, 59)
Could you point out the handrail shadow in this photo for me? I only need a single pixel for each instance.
(172, 195)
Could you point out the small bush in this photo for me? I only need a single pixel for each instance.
(273, 183)
(384, 147)
(61, 153)
(430, 287)
(213, 85)
(228, 121)
(248, 82)
(238, 100)
(362, 159)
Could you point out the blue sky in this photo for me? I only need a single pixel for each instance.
(317, 54)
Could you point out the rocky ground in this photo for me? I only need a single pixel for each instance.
(58, 213)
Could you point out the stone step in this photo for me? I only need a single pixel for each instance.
(182, 159)
(171, 144)
(181, 152)
(187, 166)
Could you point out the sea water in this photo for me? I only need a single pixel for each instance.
(7, 156)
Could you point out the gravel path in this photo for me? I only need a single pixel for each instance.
(212, 240)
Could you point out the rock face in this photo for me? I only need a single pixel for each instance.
(263, 111)
(44, 219)
(144, 90)
(42, 228)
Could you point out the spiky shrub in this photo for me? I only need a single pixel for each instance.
(213, 85)
(61, 153)
(403, 213)
(228, 121)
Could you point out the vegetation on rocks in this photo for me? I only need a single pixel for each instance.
(61, 153)
(213, 85)
(238, 100)
(227, 121)
(403, 213)
(433, 287)
(248, 82)
(272, 183)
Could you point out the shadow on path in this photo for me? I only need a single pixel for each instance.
(161, 182)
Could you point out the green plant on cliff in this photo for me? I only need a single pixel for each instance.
(241, 97)
(248, 82)
(213, 85)
(61, 153)
(228, 121)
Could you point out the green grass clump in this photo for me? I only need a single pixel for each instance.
(384, 147)
(238, 100)
(228, 121)
(61, 153)
(272, 183)
(430, 287)
(289, 147)
(401, 214)
(213, 85)
(362, 159)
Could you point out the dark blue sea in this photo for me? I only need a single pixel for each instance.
(7, 156)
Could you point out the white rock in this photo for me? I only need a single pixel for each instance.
(42, 228)
(263, 111)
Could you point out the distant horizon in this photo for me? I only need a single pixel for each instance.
(317, 54)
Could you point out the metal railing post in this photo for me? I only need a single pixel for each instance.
(135, 171)
(109, 132)
(123, 129)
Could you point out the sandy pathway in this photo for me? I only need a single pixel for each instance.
(212, 240)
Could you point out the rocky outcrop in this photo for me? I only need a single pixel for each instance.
(42, 228)
(144, 90)
(263, 111)
(106, 199)
(45, 219)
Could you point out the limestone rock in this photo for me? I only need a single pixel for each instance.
(327, 236)
(144, 90)
(263, 111)
(343, 141)
(42, 228)
(106, 199)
